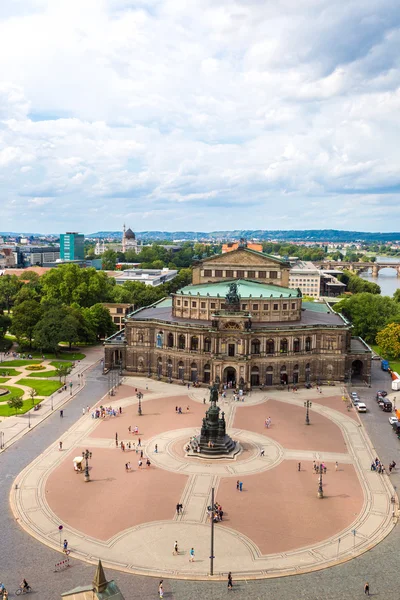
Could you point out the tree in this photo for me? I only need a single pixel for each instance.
(63, 371)
(25, 318)
(388, 340)
(109, 260)
(32, 393)
(396, 295)
(98, 318)
(368, 313)
(9, 286)
(5, 323)
(48, 332)
(15, 402)
(68, 284)
(69, 330)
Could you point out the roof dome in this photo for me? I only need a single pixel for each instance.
(129, 235)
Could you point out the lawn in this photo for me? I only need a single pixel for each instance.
(61, 363)
(20, 362)
(43, 388)
(52, 373)
(4, 379)
(6, 411)
(14, 392)
(9, 372)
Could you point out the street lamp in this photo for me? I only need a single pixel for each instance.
(139, 403)
(320, 488)
(308, 405)
(29, 419)
(86, 455)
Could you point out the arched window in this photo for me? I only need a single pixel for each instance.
(170, 340)
(283, 375)
(181, 371)
(140, 338)
(207, 344)
(181, 342)
(284, 345)
(207, 373)
(255, 346)
(194, 343)
(308, 344)
(296, 345)
(193, 372)
(270, 346)
(159, 339)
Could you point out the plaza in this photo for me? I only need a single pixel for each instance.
(276, 526)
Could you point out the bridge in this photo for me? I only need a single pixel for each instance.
(357, 267)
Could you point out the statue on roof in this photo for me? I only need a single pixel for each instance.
(232, 297)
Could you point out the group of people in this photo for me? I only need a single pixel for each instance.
(215, 513)
(106, 411)
(130, 446)
(128, 466)
(133, 430)
(377, 466)
(267, 422)
(179, 411)
(321, 468)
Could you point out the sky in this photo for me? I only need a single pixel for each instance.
(199, 115)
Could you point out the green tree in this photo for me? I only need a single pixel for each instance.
(368, 313)
(5, 323)
(396, 295)
(388, 340)
(69, 330)
(24, 320)
(9, 287)
(109, 260)
(32, 393)
(48, 332)
(99, 320)
(68, 284)
(15, 403)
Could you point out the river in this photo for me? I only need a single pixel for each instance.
(387, 278)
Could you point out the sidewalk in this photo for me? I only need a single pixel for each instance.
(13, 428)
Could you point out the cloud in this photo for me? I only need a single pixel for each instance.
(213, 113)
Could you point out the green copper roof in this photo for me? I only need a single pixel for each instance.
(246, 288)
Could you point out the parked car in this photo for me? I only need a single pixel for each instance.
(361, 407)
(382, 393)
(354, 395)
(396, 427)
(386, 406)
(393, 420)
(376, 357)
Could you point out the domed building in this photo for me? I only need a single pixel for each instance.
(129, 241)
(239, 323)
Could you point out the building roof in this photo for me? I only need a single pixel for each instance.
(228, 256)
(246, 288)
(129, 235)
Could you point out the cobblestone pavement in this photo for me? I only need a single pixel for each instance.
(22, 556)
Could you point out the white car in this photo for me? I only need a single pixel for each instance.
(361, 407)
(393, 420)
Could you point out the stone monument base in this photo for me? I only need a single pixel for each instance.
(231, 454)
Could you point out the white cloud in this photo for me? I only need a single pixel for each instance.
(214, 112)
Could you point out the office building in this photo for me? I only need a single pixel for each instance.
(72, 246)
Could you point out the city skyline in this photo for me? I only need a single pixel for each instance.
(219, 114)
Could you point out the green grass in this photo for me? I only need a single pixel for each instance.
(4, 379)
(6, 411)
(14, 392)
(43, 388)
(61, 363)
(9, 372)
(21, 362)
(52, 373)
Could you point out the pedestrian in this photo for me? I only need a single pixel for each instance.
(181, 508)
(65, 545)
(140, 464)
(141, 454)
(147, 386)
(176, 409)
(204, 400)
(262, 452)
(156, 448)
(230, 581)
(83, 411)
(237, 484)
(61, 414)
(188, 385)
(240, 486)
(130, 428)
(120, 410)
(116, 436)
(126, 467)
(178, 507)
(175, 551)
(148, 463)
(299, 466)
(366, 589)
(336, 465)
(60, 445)
(191, 559)
(161, 589)
(88, 409)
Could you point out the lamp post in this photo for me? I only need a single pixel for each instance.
(139, 404)
(308, 405)
(29, 419)
(320, 488)
(2, 445)
(86, 454)
(212, 534)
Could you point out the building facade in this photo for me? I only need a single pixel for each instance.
(234, 325)
(72, 246)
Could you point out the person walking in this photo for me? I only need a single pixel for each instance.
(83, 411)
(60, 445)
(65, 545)
(161, 589)
(240, 486)
(262, 452)
(191, 559)
(366, 589)
(237, 484)
(230, 583)
(61, 414)
(176, 549)
(299, 467)
(178, 508)
(156, 448)
(336, 465)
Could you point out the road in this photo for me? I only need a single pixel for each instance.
(22, 556)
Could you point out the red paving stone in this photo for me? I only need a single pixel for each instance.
(288, 426)
(124, 391)
(114, 500)
(158, 416)
(279, 509)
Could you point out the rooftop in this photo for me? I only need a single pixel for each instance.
(246, 288)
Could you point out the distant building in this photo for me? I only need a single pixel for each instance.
(100, 247)
(229, 246)
(305, 276)
(153, 277)
(118, 312)
(72, 246)
(129, 241)
(38, 255)
(7, 258)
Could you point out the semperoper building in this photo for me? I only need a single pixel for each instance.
(239, 322)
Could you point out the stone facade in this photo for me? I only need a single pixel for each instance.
(215, 341)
